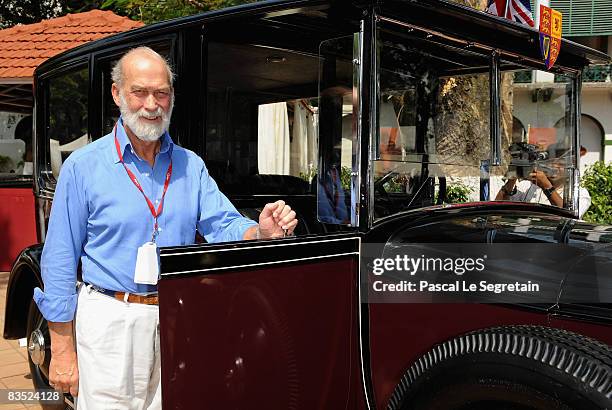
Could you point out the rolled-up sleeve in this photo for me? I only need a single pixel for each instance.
(63, 247)
(218, 220)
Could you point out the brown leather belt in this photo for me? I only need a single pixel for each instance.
(151, 299)
(132, 298)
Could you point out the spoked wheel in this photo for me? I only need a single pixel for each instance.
(39, 354)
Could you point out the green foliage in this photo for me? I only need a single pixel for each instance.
(345, 176)
(80, 6)
(309, 175)
(598, 181)
(147, 11)
(5, 163)
(396, 184)
(152, 11)
(69, 90)
(457, 193)
(28, 11)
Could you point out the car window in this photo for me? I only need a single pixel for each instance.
(15, 144)
(66, 123)
(261, 128)
(433, 125)
(537, 132)
(270, 114)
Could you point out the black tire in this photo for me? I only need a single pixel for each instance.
(40, 373)
(511, 367)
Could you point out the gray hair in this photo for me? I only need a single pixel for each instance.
(117, 72)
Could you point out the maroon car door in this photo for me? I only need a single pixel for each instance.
(261, 324)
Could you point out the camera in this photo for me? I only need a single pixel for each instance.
(524, 155)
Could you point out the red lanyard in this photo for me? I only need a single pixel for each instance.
(157, 213)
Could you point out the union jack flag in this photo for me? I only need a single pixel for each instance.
(516, 10)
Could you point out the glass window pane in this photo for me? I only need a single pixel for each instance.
(338, 130)
(262, 116)
(15, 144)
(433, 122)
(537, 128)
(67, 120)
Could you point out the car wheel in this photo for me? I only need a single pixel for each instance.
(39, 353)
(510, 368)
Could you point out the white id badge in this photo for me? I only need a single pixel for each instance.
(147, 266)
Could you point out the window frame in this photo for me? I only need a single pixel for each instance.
(497, 59)
(42, 156)
(357, 180)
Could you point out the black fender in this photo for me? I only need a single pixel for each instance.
(24, 277)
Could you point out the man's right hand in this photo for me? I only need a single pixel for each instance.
(63, 369)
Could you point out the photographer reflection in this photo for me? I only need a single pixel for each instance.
(539, 179)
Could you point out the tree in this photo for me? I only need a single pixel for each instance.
(147, 11)
(151, 11)
(598, 181)
(28, 11)
(470, 97)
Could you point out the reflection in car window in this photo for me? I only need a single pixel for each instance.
(338, 107)
(433, 123)
(15, 145)
(261, 130)
(67, 120)
(538, 161)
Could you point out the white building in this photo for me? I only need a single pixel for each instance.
(590, 23)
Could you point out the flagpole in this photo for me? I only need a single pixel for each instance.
(506, 12)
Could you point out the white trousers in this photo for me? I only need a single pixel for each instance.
(118, 353)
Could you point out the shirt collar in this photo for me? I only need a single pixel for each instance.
(167, 144)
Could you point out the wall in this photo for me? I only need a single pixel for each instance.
(597, 102)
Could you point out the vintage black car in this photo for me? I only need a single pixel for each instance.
(382, 123)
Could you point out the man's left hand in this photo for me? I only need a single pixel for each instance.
(277, 220)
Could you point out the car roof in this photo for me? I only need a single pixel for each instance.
(441, 16)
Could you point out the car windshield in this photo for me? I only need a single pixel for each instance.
(433, 140)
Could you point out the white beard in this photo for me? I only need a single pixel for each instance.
(145, 131)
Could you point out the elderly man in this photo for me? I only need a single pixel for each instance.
(117, 199)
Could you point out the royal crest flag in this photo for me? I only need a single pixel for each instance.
(550, 35)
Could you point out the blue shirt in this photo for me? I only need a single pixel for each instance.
(99, 216)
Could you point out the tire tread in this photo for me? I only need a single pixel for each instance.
(582, 358)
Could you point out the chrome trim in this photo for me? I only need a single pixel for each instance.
(260, 244)
(576, 114)
(495, 109)
(357, 109)
(260, 263)
(369, 145)
(370, 73)
(364, 356)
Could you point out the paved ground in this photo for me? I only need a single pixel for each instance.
(14, 370)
